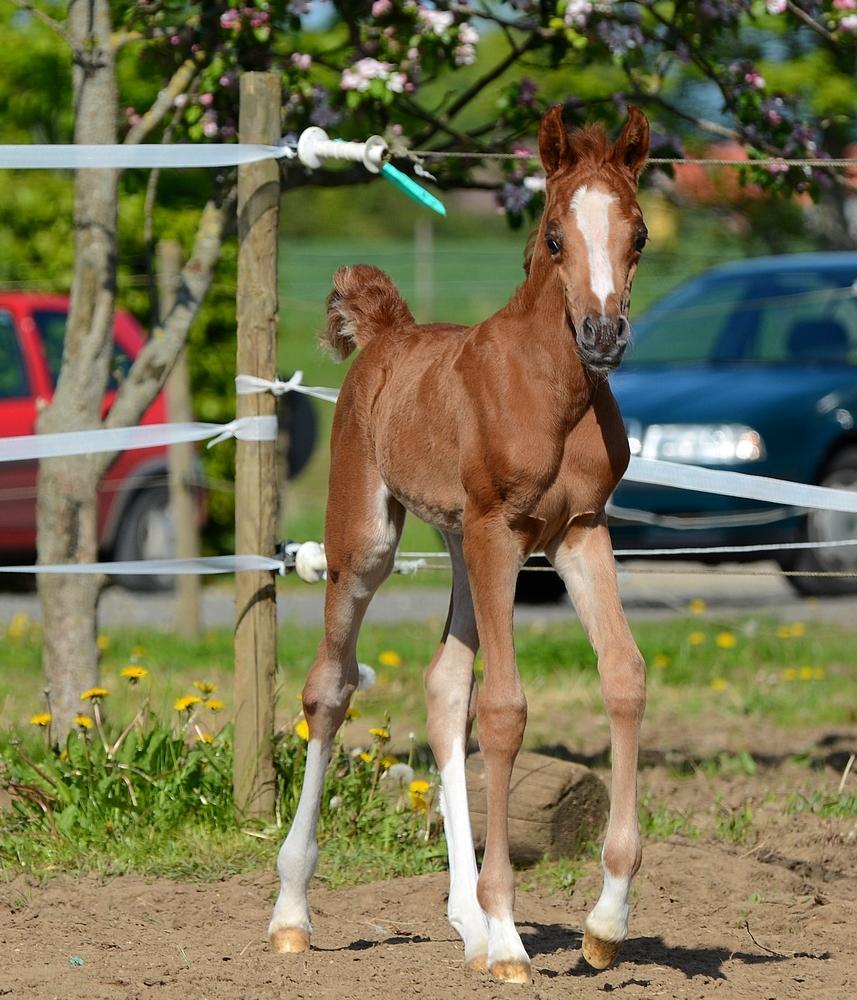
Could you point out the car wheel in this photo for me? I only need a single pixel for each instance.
(538, 587)
(828, 526)
(146, 531)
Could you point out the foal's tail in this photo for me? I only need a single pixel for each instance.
(364, 302)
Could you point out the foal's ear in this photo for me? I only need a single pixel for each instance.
(554, 147)
(631, 149)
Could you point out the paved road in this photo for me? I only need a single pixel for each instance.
(645, 594)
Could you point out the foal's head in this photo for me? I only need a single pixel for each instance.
(593, 228)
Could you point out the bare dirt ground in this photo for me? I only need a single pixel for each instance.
(764, 912)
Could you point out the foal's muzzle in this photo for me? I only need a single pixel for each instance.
(601, 341)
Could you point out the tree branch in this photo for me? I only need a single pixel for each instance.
(155, 361)
(46, 19)
(163, 103)
(811, 22)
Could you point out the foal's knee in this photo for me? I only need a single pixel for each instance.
(623, 684)
(502, 717)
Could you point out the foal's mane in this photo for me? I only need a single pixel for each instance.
(592, 146)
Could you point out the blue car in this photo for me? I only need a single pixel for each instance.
(750, 367)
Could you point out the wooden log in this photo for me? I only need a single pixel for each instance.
(256, 481)
(555, 807)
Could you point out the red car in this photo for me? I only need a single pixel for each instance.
(133, 516)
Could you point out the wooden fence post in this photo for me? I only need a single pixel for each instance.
(187, 621)
(256, 480)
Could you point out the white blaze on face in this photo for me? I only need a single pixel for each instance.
(591, 212)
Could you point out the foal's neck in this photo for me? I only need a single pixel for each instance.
(538, 312)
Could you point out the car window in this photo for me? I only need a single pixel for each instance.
(780, 317)
(688, 325)
(51, 324)
(811, 317)
(13, 377)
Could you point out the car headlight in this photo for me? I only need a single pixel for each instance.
(703, 444)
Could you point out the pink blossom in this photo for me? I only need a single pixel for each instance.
(778, 167)
(467, 34)
(849, 23)
(437, 21)
(230, 19)
(754, 79)
(258, 18)
(576, 13)
(845, 4)
(776, 6)
(359, 76)
(303, 60)
(180, 100)
(206, 100)
(381, 7)
(465, 55)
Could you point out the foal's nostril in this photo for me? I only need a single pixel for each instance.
(602, 340)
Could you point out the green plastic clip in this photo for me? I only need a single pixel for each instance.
(412, 189)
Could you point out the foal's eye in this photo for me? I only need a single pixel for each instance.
(553, 245)
(640, 242)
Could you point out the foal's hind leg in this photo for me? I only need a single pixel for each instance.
(584, 559)
(493, 554)
(363, 527)
(450, 691)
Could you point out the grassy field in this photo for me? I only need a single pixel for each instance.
(705, 676)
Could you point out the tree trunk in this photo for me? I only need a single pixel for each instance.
(66, 516)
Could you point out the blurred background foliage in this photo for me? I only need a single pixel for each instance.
(460, 268)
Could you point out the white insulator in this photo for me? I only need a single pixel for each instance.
(310, 562)
(366, 678)
(314, 146)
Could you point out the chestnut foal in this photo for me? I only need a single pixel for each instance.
(506, 437)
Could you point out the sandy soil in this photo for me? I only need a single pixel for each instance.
(770, 916)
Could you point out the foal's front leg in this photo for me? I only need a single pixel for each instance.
(584, 559)
(492, 553)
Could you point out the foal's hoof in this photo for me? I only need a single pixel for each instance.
(479, 963)
(511, 972)
(289, 941)
(599, 954)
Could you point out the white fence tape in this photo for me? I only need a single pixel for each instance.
(35, 446)
(82, 157)
(245, 385)
(739, 484)
(204, 565)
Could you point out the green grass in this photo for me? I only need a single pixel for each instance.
(793, 676)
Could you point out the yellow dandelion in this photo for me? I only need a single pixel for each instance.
(719, 684)
(806, 673)
(103, 643)
(789, 674)
(389, 658)
(133, 673)
(186, 702)
(784, 631)
(417, 793)
(215, 704)
(365, 757)
(726, 640)
(94, 694)
(382, 734)
(798, 630)
(19, 625)
(696, 638)
(83, 721)
(696, 606)
(205, 686)
(138, 652)
(352, 713)
(661, 661)
(302, 729)
(40, 719)
(205, 738)
(388, 761)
